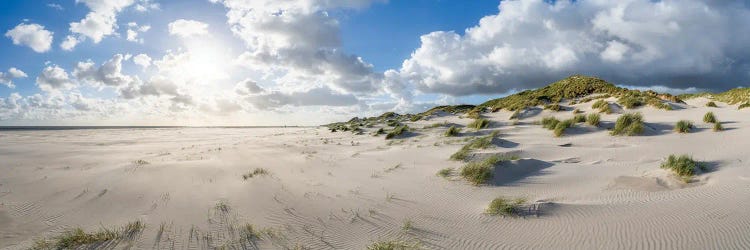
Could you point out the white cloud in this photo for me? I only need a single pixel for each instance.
(54, 78)
(142, 60)
(134, 30)
(146, 5)
(32, 35)
(320, 96)
(108, 74)
(530, 43)
(7, 78)
(70, 43)
(55, 6)
(99, 23)
(188, 28)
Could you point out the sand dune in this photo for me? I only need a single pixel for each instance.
(324, 190)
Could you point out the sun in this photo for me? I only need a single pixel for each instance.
(205, 60)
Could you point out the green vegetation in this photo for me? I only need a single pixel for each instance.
(593, 119)
(452, 131)
(378, 132)
(407, 226)
(579, 118)
(256, 172)
(445, 173)
(683, 126)
(683, 165)
(718, 127)
(553, 107)
(76, 238)
(505, 207)
(711, 104)
(479, 143)
(456, 109)
(628, 124)
(479, 172)
(516, 114)
(479, 123)
(549, 122)
(602, 106)
(732, 96)
(397, 131)
(709, 118)
(744, 105)
(562, 126)
(630, 102)
(393, 245)
(435, 125)
(415, 118)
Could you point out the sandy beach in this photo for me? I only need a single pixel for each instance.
(324, 190)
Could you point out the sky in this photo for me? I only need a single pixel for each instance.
(310, 62)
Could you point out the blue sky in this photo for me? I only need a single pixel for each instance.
(270, 62)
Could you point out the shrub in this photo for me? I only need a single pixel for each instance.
(682, 165)
(718, 127)
(593, 119)
(562, 126)
(479, 123)
(683, 126)
(744, 105)
(628, 124)
(709, 118)
(579, 118)
(550, 122)
(711, 104)
(397, 131)
(479, 172)
(630, 102)
(452, 131)
(502, 206)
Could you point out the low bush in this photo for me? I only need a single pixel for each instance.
(683, 126)
(628, 124)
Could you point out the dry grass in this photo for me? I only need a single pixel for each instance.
(255, 172)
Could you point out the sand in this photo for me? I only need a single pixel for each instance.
(344, 191)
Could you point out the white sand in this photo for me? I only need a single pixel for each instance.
(339, 190)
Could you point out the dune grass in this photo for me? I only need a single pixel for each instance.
(744, 105)
(630, 102)
(446, 172)
(718, 127)
(628, 124)
(479, 123)
(516, 114)
(579, 118)
(602, 106)
(478, 143)
(399, 130)
(683, 126)
(577, 111)
(255, 172)
(452, 131)
(77, 237)
(562, 126)
(393, 245)
(479, 172)
(709, 117)
(683, 165)
(711, 104)
(505, 207)
(549, 122)
(593, 119)
(553, 107)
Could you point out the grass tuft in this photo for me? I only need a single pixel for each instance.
(550, 122)
(553, 107)
(630, 102)
(628, 124)
(683, 165)
(562, 126)
(744, 105)
(452, 131)
(709, 117)
(76, 238)
(479, 143)
(718, 127)
(683, 126)
(479, 172)
(579, 118)
(393, 245)
(479, 123)
(255, 172)
(711, 104)
(505, 207)
(445, 173)
(396, 132)
(593, 119)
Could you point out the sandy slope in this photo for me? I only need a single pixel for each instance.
(343, 191)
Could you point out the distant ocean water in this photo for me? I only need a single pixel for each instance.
(26, 128)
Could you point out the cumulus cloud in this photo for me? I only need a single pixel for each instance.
(99, 23)
(530, 43)
(146, 5)
(108, 74)
(142, 60)
(134, 30)
(32, 35)
(300, 39)
(319, 96)
(247, 86)
(7, 78)
(187, 28)
(54, 78)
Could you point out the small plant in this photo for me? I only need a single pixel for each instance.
(599, 104)
(479, 123)
(479, 143)
(408, 225)
(76, 238)
(683, 126)
(711, 104)
(415, 118)
(683, 165)
(628, 124)
(393, 245)
(593, 119)
(553, 107)
(718, 127)
(744, 105)
(579, 118)
(445, 173)
(452, 131)
(397, 131)
(550, 122)
(378, 132)
(577, 111)
(255, 172)
(709, 118)
(630, 102)
(502, 206)
(606, 109)
(562, 126)
(479, 172)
